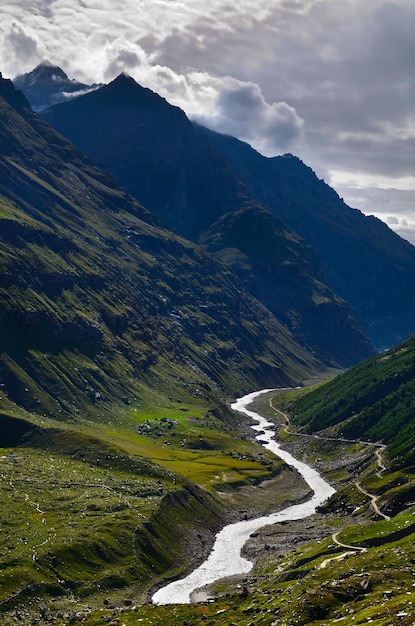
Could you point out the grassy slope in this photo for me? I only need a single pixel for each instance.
(291, 583)
(89, 510)
(374, 400)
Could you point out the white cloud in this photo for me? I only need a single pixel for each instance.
(23, 44)
(240, 109)
(358, 180)
(395, 206)
(401, 225)
(330, 81)
(392, 219)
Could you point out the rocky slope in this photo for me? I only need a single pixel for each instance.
(364, 261)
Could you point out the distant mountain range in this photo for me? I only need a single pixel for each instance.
(198, 182)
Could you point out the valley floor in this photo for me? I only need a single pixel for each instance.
(348, 563)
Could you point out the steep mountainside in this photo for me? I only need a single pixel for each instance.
(158, 155)
(94, 294)
(152, 148)
(374, 400)
(139, 138)
(284, 273)
(364, 261)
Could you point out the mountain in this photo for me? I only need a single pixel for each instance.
(95, 295)
(48, 84)
(364, 261)
(119, 462)
(119, 337)
(118, 341)
(284, 273)
(142, 140)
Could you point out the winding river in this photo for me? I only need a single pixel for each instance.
(225, 558)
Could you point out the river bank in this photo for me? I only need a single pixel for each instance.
(225, 558)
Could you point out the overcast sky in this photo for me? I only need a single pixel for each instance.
(332, 81)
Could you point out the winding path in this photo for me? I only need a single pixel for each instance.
(353, 549)
(225, 558)
(378, 451)
(379, 448)
(339, 557)
(373, 501)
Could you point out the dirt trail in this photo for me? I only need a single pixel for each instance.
(378, 453)
(339, 557)
(378, 450)
(373, 501)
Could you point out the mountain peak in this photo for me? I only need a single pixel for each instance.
(45, 63)
(48, 84)
(127, 84)
(46, 71)
(126, 90)
(124, 77)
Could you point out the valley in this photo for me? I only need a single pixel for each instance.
(151, 272)
(327, 566)
(225, 558)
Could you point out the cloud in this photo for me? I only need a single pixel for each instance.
(241, 110)
(391, 205)
(344, 68)
(23, 45)
(361, 108)
(404, 227)
(332, 82)
(121, 55)
(392, 219)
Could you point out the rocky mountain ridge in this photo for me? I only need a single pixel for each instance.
(48, 84)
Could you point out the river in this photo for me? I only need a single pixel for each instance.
(225, 558)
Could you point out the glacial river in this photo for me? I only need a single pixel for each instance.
(225, 558)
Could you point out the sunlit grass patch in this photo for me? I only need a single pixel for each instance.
(211, 460)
